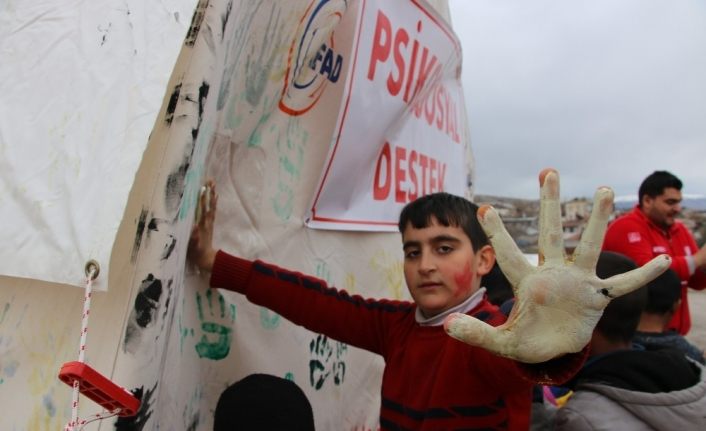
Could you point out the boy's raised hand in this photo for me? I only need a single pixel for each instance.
(201, 251)
(559, 302)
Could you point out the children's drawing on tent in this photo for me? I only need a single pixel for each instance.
(323, 271)
(349, 282)
(291, 151)
(262, 63)
(269, 319)
(47, 412)
(8, 364)
(327, 360)
(390, 268)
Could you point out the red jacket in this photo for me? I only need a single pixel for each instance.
(431, 381)
(635, 236)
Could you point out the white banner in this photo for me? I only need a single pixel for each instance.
(401, 130)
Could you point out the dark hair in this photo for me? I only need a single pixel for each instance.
(448, 210)
(655, 183)
(497, 285)
(263, 402)
(663, 292)
(620, 318)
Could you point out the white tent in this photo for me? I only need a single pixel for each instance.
(111, 119)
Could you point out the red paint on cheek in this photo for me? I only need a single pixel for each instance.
(464, 280)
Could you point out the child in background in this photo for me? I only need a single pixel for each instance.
(625, 387)
(663, 300)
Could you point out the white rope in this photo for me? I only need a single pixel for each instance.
(91, 273)
(83, 422)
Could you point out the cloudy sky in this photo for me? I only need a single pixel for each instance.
(606, 91)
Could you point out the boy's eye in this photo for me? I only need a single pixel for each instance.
(411, 254)
(444, 249)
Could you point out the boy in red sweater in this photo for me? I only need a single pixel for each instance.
(432, 381)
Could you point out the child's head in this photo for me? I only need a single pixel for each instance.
(448, 210)
(263, 401)
(620, 318)
(663, 293)
(446, 252)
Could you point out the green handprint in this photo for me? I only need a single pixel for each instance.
(220, 347)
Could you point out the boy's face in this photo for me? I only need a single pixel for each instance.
(440, 267)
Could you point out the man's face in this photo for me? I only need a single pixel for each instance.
(440, 267)
(662, 209)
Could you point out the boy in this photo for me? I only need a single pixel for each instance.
(663, 299)
(432, 381)
(625, 387)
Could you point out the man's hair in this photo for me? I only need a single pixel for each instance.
(448, 210)
(621, 316)
(663, 292)
(655, 183)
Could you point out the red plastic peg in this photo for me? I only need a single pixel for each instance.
(100, 389)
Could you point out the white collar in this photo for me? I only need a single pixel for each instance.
(464, 307)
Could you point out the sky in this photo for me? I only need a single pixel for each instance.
(605, 91)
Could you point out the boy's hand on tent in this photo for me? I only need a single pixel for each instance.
(559, 302)
(201, 251)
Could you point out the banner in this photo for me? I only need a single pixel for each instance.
(401, 129)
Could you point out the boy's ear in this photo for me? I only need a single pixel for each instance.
(485, 258)
(675, 307)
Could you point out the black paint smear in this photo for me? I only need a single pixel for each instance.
(129, 21)
(138, 235)
(174, 188)
(169, 248)
(224, 19)
(138, 422)
(196, 21)
(147, 300)
(168, 300)
(194, 425)
(105, 33)
(203, 95)
(154, 224)
(171, 107)
(144, 312)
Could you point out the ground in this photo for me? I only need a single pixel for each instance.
(697, 306)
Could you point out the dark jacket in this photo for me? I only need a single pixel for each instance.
(637, 390)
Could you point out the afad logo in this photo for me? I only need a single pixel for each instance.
(312, 61)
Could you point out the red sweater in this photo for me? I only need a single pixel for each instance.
(635, 236)
(431, 381)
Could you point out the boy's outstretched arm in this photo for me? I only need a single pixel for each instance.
(559, 302)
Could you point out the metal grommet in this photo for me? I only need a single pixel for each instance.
(92, 266)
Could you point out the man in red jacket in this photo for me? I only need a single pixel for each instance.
(651, 229)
